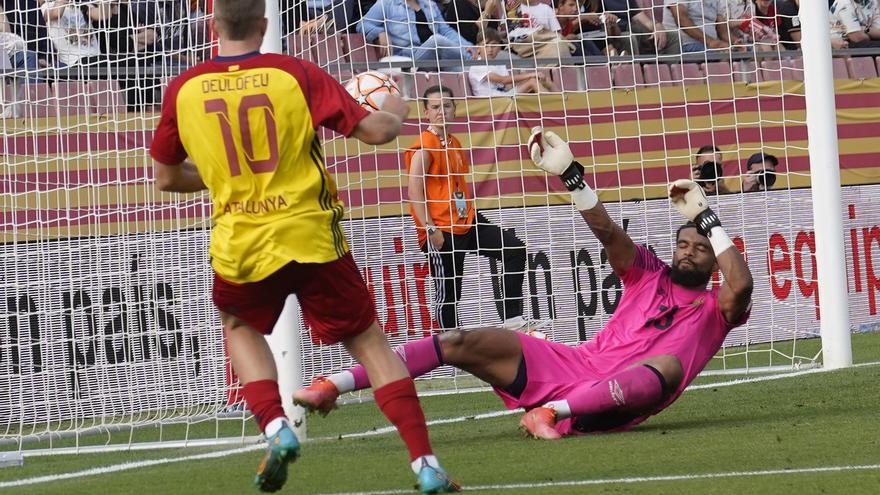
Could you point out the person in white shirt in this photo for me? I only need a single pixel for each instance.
(702, 25)
(14, 47)
(496, 80)
(70, 32)
(855, 24)
(533, 30)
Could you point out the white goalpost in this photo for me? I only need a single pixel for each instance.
(109, 339)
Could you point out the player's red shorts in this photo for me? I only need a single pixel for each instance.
(333, 297)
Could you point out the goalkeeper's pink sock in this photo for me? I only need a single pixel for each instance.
(633, 389)
(419, 357)
(264, 401)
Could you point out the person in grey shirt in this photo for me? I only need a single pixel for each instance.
(702, 24)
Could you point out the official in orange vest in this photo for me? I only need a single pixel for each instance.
(442, 206)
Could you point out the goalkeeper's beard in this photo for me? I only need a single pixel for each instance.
(689, 278)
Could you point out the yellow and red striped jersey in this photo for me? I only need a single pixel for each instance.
(249, 125)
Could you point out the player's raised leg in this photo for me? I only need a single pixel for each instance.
(615, 400)
(491, 354)
(395, 394)
(253, 363)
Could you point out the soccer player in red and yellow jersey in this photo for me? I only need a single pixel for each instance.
(243, 126)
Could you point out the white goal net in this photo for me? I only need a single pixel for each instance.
(107, 322)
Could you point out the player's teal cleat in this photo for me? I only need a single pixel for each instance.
(283, 449)
(435, 480)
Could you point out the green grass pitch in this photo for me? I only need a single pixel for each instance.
(816, 420)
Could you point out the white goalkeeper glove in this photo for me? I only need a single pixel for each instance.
(551, 154)
(690, 200)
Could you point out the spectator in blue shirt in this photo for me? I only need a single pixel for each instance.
(414, 29)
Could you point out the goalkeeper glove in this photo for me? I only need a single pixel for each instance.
(551, 154)
(690, 200)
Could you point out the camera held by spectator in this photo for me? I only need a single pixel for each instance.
(760, 172)
(708, 170)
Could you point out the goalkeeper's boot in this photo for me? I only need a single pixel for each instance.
(435, 480)
(539, 423)
(319, 396)
(283, 449)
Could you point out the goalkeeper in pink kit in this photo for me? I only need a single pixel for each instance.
(664, 331)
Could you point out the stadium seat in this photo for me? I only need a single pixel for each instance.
(718, 72)
(658, 74)
(840, 71)
(358, 50)
(793, 69)
(329, 51)
(72, 98)
(569, 78)
(745, 71)
(301, 46)
(39, 100)
(861, 68)
(784, 70)
(105, 97)
(687, 73)
(598, 78)
(457, 83)
(627, 75)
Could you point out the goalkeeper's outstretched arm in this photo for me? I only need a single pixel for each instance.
(552, 154)
(735, 294)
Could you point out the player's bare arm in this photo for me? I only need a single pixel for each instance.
(421, 160)
(552, 154)
(183, 177)
(383, 126)
(736, 292)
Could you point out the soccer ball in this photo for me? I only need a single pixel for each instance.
(370, 88)
(537, 334)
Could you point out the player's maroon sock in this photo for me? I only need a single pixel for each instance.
(263, 400)
(400, 404)
(419, 356)
(632, 389)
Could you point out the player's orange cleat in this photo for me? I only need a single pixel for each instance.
(319, 396)
(539, 423)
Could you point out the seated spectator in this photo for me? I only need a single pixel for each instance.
(534, 31)
(25, 19)
(496, 80)
(120, 29)
(647, 34)
(569, 16)
(70, 32)
(855, 24)
(131, 48)
(12, 45)
(755, 22)
(183, 37)
(760, 173)
(360, 9)
(789, 24)
(310, 16)
(701, 25)
(708, 170)
(413, 29)
(470, 17)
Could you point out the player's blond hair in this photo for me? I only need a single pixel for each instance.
(239, 19)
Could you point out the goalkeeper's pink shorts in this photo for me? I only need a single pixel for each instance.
(553, 370)
(335, 301)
